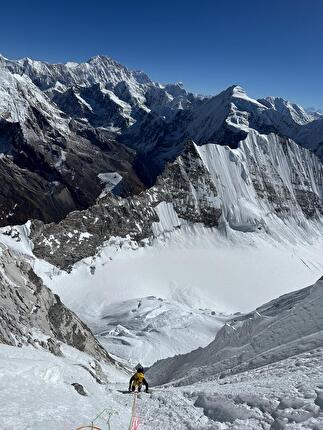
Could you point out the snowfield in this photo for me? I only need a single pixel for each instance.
(146, 330)
(37, 392)
(283, 395)
(282, 328)
(227, 271)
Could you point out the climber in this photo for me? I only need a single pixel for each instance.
(137, 380)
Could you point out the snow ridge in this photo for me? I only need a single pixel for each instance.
(287, 326)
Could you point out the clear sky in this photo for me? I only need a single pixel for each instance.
(272, 47)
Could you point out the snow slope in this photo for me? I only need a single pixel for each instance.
(18, 94)
(282, 328)
(37, 391)
(234, 271)
(284, 395)
(146, 330)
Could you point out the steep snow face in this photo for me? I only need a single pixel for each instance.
(265, 176)
(284, 395)
(18, 95)
(224, 119)
(57, 392)
(148, 329)
(280, 329)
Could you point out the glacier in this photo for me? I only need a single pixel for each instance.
(141, 222)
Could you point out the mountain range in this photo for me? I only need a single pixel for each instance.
(64, 126)
(138, 221)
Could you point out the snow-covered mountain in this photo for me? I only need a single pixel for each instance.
(130, 168)
(64, 126)
(150, 213)
(254, 188)
(100, 86)
(284, 327)
(49, 164)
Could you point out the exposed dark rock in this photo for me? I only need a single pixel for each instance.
(185, 184)
(79, 388)
(31, 314)
(65, 124)
(50, 163)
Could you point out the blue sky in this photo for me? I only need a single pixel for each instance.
(269, 47)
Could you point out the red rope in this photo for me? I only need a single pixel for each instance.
(134, 423)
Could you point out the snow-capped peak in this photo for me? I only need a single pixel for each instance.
(287, 108)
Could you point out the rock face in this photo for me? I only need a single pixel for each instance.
(102, 151)
(185, 190)
(266, 177)
(31, 314)
(49, 163)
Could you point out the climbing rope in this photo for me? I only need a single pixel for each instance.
(105, 415)
(134, 420)
(88, 427)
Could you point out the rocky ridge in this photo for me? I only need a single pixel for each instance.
(185, 189)
(31, 314)
(100, 149)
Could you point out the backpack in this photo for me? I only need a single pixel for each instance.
(139, 377)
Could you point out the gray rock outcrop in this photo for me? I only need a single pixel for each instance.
(30, 314)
